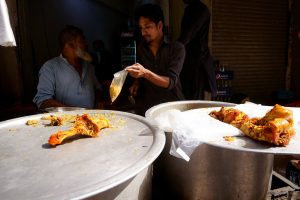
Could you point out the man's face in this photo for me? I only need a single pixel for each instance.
(149, 30)
(81, 48)
(80, 42)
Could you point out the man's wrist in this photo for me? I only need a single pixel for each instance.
(147, 74)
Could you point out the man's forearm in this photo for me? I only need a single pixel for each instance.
(161, 81)
(138, 71)
(51, 103)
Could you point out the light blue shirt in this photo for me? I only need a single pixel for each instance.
(60, 81)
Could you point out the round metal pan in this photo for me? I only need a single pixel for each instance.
(31, 169)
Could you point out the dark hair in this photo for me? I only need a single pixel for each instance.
(150, 11)
(69, 33)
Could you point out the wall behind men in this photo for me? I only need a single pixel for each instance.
(97, 19)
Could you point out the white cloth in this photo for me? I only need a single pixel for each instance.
(6, 34)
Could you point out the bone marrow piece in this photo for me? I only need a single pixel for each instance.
(84, 125)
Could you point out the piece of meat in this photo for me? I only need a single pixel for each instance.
(84, 125)
(230, 116)
(54, 120)
(277, 111)
(278, 131)
(275, 127)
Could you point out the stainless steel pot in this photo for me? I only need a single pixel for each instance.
(212, 172)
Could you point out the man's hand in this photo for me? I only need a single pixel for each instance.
(51, 103)
(137, 70)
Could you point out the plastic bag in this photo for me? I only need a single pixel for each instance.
(117, 84)
(184, 139)
(192, 128)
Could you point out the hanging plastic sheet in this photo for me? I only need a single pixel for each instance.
(6, 34)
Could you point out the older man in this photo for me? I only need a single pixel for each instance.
(159, 62)
(69, 79)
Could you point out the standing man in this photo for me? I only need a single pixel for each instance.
(198, 73)
(68, 79)
(159, 62)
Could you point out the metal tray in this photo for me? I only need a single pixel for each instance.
(31, 169)
(62, 109)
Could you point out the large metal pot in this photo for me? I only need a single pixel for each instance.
(212, 172)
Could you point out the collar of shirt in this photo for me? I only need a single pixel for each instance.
(165, 42)
(84, 66)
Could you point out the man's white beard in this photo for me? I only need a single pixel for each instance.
(84, 55)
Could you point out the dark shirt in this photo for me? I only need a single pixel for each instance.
(198, 73)
(167, 62)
